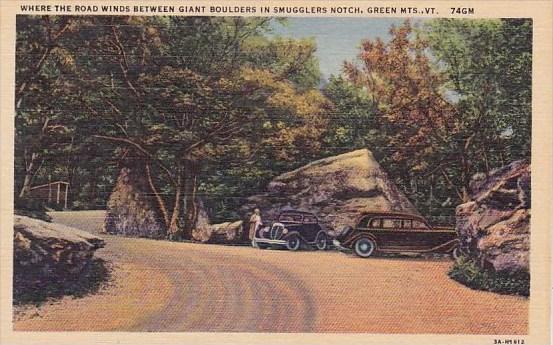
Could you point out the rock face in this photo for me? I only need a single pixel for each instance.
(228, 232)
(131, 210)
(337, 189)
(495, 225)
(47, 253)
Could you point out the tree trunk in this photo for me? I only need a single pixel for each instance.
(30, 171)
(161, 203)
(131, 209)
(175, 232)
(26, 185)
(190, 198)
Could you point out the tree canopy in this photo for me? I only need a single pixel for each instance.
(212, 108)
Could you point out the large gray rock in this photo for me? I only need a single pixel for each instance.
(228, 232)
(337, 189)
(47, 253)
(131, 207)
(495, 225)
(223, 233)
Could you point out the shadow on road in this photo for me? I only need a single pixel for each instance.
(94, 277)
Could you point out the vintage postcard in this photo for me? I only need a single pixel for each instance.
(306, 172)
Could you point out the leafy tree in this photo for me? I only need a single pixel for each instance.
(417, 121)
(176, 105)
(453, 99)
(41, 128)
(489, 67)
(353, 120)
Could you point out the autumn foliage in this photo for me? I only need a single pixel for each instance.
(209, 109)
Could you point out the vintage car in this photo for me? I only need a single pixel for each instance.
(387, 232)
(291, 230)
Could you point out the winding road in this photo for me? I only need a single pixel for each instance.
(168, 286)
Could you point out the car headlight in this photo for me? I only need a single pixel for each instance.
(265, 229)
(285, 231)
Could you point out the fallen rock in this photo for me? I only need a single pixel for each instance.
(223, 233)
(49, 253)
(337, 189)
(495, 225)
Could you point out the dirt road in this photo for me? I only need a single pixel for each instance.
(168, 286)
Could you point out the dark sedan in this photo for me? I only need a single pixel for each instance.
(387, 232)
(291, 230)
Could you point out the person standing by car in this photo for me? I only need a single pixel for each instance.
(255, 222)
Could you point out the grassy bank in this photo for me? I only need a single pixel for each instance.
(467, 272)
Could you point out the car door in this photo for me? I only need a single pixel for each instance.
(418, 234)
(398, 233)
(390, 236)
(310, 227)
(431, 238)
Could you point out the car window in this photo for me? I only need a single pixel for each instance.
(375, 223)
(417, 224)
(309, 219)
(290, 218)
(285, 218)
(391, 223)
(363, 223)
(407, 224)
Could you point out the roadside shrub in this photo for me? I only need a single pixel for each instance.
(467, 272)
(31, 208)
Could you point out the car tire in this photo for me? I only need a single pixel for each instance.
(364, 247)
(293, 243)
(321, 241)
(456, 253)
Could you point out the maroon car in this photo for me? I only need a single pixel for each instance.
(388, 232)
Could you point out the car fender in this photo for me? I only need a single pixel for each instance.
(291, 233)
(352, 239)
(323, 231)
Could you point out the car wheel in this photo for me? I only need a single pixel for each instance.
(456, 253)
(364, 247)
(293, 243)
(321, 241)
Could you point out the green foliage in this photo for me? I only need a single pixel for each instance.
(439, 104)
(181, 95)
(31, 208)
(220, 101)
(353, 119)
(466, 271)
(292, 58)
(489, 67)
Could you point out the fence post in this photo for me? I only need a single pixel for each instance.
(66, 190)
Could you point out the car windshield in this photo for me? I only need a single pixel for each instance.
(291, 218)
(309, 219)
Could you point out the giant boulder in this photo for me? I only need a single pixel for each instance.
(337, 189)
(131, 208)
(47, 254)
(495, 225)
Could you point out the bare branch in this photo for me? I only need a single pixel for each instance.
(143, 151)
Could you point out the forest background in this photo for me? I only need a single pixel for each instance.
(213, 108)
